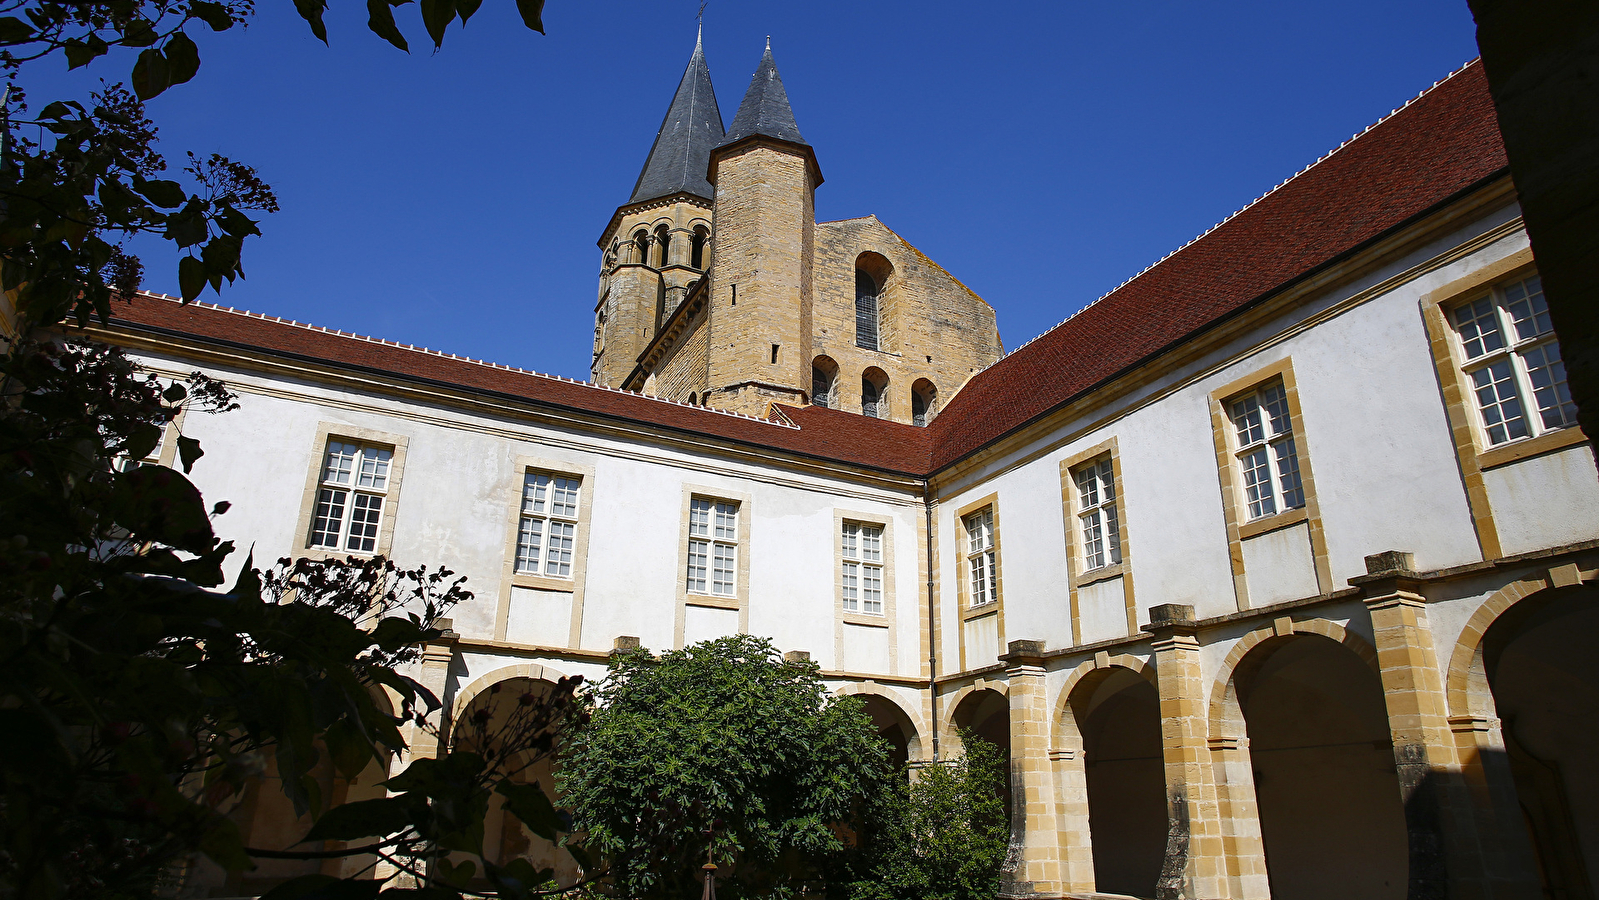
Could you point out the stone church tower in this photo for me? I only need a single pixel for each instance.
(719, 287)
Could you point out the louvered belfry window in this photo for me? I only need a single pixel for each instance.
(865, 311)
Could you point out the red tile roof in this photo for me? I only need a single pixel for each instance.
(1441, 144)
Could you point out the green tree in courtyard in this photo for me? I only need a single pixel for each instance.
(728, 744)
(942, 836)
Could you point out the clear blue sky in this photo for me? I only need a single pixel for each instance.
(1043, 152)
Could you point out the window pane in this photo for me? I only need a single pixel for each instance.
(1528, 311)
(1088, 486)
(374, 468)
(871, 543)
(535, 491)
(329, 519)
(699, 518)
(529, 544)
(722, 573)
(1246, 418)
(1257, 483)
(563, 497)
(1276, 400)
(1113, 535)
(993, 575)
(1293, 491)
(1107, 478)
(558, 551)
(1093, 540)
(364, 519)
(1478, 326)
(979, 581)
(980, 530)
(726, 521)
(699, 553)
(1550, 393)
(340, 462)
(872, 590)
(851, 585)
(1501, 406)
(852, 540)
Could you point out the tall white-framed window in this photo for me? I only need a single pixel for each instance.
(713, 547)
(862, 549)
(351, 493)
(1268, 458)
(1513, 362)
(547, 532)
(1098, 520)
(981, 557)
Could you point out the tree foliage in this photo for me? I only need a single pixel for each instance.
(942, 836)
(726, 744)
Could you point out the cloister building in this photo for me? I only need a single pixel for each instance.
(1271, 570)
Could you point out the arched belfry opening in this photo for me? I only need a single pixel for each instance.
(1538, 662)
(874, 393)
(1332, 819)
(697, 247)
(663, 247)
(641, 247)
(924, 402)
(824, 381)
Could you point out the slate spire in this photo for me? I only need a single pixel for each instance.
(765, 110)
(682, 149)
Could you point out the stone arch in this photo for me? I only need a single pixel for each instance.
(1112, 799)
(1467, 682)
(530, 671)
(1221, 692)
(639, 247)
(873, 319)
(950, 736)
(924, 401)
(912, 718)
(663, 244)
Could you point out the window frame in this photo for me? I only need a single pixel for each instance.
(1512, 349)
(963, 588)
(1235, 503)
(512, 488)
(738, 599)
(844, 617)
(1264, 408)
(326, 434)
(1081, 575)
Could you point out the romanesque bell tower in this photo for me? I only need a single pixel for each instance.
(659, 242)
(760, 296)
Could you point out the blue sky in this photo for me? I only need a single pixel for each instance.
(1042, 153)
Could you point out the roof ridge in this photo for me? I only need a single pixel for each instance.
(1240, 211)
(466, 359)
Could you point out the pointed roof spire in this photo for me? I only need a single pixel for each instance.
(682, 149)
(765, 110)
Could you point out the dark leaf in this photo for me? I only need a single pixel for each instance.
(81, 53)
(188, 452)
(150, 74)
(213, 14)
(174, 393)
(183, 58)
(165, 194)
(436, 15)
(311, 11)
(380, 18)
(348, 747)
(532, 14)
(363, 818)
(191, 277)
(465, 8)
(155, 503)
(222, 843)
(393, 633)
(142, 442)
(139, 33)
(15, 31)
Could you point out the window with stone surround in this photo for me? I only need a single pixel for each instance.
(865, 310)
(861, 546)
(546, 535)
(982, 560)
(1098, 518)
(1512, 362)
(351, 493)
(1265, 450)
(712, 547)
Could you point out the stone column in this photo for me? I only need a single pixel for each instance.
(436, 657)
(1033, 864)
(1195, 867)
(1456, 847)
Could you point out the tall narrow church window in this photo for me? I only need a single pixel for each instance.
(697, 245)
(824, 378)
(865, 311)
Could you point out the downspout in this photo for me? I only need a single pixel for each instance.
(932, 616)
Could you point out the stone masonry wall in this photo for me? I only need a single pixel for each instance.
(765, 226)
(683, 370)
(932, 326)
